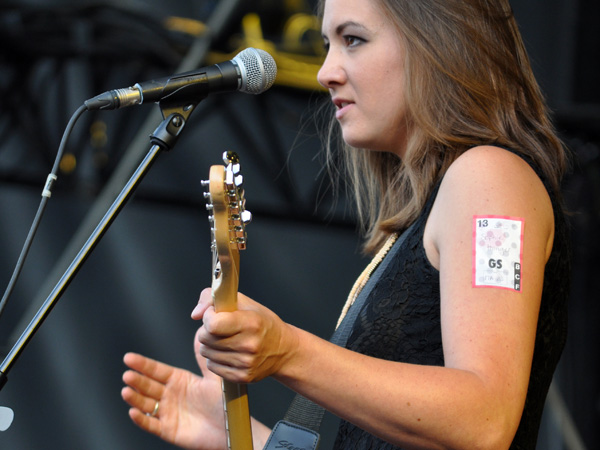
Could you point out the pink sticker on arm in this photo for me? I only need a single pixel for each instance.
(497, 251)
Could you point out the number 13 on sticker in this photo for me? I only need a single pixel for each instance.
(497, 252)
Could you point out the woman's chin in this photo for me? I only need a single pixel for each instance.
(355, 141)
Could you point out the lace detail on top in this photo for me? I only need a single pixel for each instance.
(400, 321)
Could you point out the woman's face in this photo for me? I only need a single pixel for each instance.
(364, 72)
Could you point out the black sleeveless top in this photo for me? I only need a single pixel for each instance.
(400, 321)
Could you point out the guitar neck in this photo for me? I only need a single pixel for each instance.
(235, 396)
(229, 218)
(237, 416)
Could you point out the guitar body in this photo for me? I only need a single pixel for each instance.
(228, 238)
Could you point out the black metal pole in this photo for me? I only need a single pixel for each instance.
(163, 138)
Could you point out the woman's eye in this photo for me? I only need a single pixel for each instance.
(353, 41)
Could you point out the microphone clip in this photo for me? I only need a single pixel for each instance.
(169, 130)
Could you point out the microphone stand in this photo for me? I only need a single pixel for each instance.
(163, 138)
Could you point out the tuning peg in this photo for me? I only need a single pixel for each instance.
(229, 179)
(205, 183)
(241, 243)
(230, 157)
(246, 217)
(238, 181)
(232, 160)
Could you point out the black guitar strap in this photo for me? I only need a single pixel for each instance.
(303, 413)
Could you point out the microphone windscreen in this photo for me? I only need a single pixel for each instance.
(258, 69)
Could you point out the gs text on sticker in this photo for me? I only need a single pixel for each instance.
(497, 251)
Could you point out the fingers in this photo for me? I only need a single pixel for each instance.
(199, 358)
(144, 385)
(147, 423)
(234, 374)
(223, 325)
(236, 343)
(153, 369)
(221, 338)
(141, 402)
(210, 369)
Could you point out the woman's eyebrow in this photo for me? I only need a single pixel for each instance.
(341, 27)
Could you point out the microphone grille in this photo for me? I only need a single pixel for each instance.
(258, 70)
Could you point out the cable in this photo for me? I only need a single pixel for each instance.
(46, 194)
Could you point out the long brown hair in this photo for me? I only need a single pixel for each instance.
(468, 82)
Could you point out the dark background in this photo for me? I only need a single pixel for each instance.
(137, 289)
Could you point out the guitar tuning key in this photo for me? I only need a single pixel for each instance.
(246, 217)
(232, 161)
(205, 185)
(229, 180)
(241, 244)
(238, 181)
(230, 157)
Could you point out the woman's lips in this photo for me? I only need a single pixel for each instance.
(342, 107)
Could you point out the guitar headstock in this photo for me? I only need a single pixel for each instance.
(228, 215)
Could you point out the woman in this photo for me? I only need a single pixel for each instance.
(445, 131)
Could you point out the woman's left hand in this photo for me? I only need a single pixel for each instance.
(242, 346)
(179, 406)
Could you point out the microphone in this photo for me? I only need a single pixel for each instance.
(251, 71)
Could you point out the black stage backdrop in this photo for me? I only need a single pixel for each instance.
(137, 289)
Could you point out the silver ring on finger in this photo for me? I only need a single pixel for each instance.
(154, 412)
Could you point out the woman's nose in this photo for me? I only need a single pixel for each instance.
(331, 73)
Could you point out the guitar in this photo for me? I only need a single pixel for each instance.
(228, 219)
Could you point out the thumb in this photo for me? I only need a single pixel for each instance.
(204, 302)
